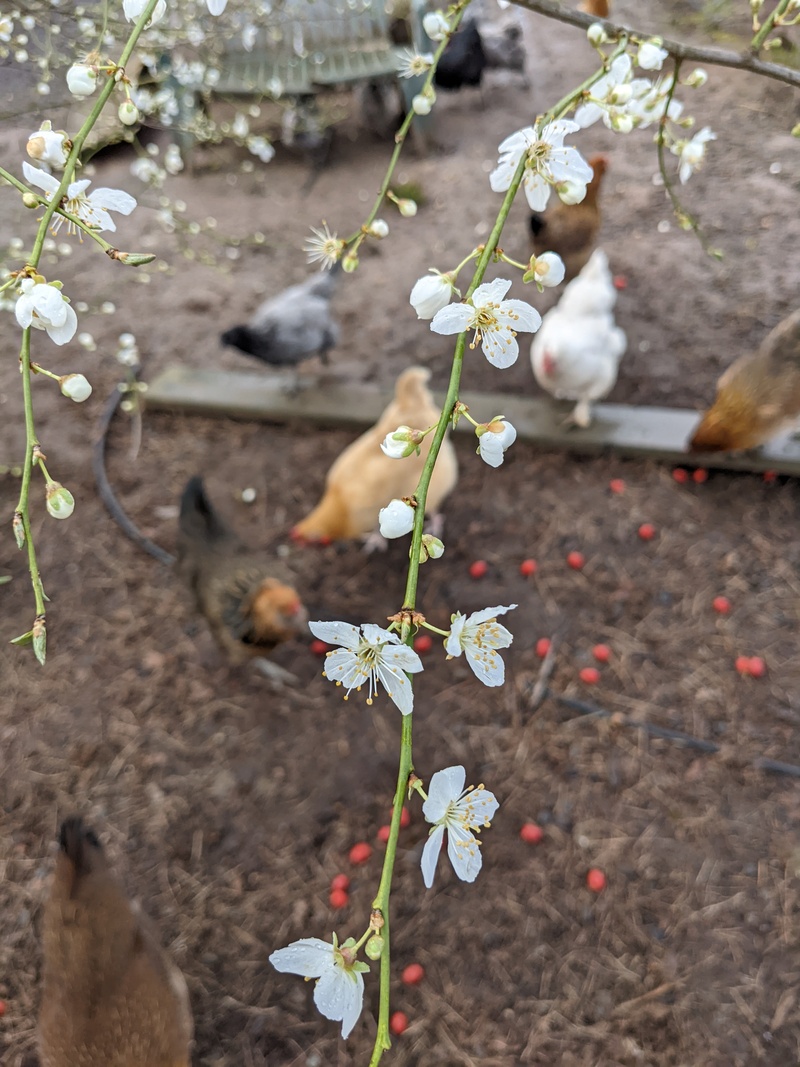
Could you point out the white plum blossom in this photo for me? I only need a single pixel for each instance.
(92, 210)
(60, 502)
(612, 97)
(379, 228)
(596, 34)
(324, 247)
(449, 807)
(547, 162)
(414, 64)
(692, 153)
(431, 294)
(479, 636)
(76, 387)
(339, 990)
(369, 655)
(46, 308)
(496, 322)
(548, 270)
(396, 519)
(132, 9)
(494, 438)
(649, 106)
(49, 146)
(651, 55)
(81, 80)
(423, 102)
(401, 442)
(260, 147)
(436, 25)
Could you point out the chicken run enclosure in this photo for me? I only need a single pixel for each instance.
(228, 805)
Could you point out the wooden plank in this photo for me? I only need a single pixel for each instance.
(643, 432)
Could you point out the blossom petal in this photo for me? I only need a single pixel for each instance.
(309, 957)
(339, 995)
(464, 852)
(337, 633)
(63, 332)
(376, 635)
(430, 855)
(537, 190)
(490, 613)
(500, 347)
(454, 318)
(445, 786)
(490, 292)
(40, 178)
(491, 449)
(403, 658)
(452, 645)
(521, 317)
(487, 665)
(345, 667)
(112, 200)
(397, 686)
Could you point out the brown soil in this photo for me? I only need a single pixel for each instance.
(229, 807)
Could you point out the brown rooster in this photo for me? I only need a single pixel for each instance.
(571, 230)
(247, 597)
(363, 480)
(111, 996)
(758, 396)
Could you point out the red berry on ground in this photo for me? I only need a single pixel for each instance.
(528, 567)
(590, 675)
(575, 560)
(700, 475)
(680, 475)
(770, 476)
(2, 1008)
(405, 817)
(383, 834)
(360, 852)
(478, 569)
(542, 647)
(742, 664)
(338, 898)
(398, 1023)
(413, 974)
(647, 531)
(758, 667)
(423, 643)
(620, 281)
(319, 648)
(602, 653)
(616, 485)
(340, 881)
(721, 605)
(531, 834)
(595, 880)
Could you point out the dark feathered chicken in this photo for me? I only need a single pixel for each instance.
(463, 61)
(291, 326)
(246, 597)
(111, 996)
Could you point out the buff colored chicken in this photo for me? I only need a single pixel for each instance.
(111, 996)
(599, 8)
(758, 396)
(247, 597)
(363, 480)
(571, 230)
(576, 353)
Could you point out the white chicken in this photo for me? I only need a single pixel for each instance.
(576, 352)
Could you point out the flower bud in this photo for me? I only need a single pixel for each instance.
(651, 55)
(128, 113)
(374, 947)
(756, 5)
(401, 443)
(422, 103)
(597, 35)
(431, 294)
(396, 519)
(796, 130)
(39, 635)
(407, 208)
(570, 192)
(436, 25)
(60, 501)
(350, 263)
(431, 548)
(18, 527)
(81, 80)
(378, 229)
(30, 200)
(135, 259)
(547, 270)
(76, 387)
(697, 78)
(48, 145)
(621, 122)
(494, 438)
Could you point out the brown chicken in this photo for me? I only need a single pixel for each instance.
(758, 396)
(363, 480)
(111, 996)
(599, 8)
(571, 230)
(247, 597)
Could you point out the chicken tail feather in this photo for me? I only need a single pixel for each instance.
(198, 519)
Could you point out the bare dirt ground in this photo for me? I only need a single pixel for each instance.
(229, 807)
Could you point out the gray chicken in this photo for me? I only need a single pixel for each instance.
(292, 326)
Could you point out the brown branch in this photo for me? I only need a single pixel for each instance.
(715, 57)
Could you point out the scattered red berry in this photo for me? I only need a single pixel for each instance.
(360, 852)
(620, 281)
(2, 1008)
(742, 664)
(398, 1023)
(602, 653)
(575, 560)
(700, 475)
(319, 648)
(721, 605)
(616, 485)
(528, 567)
(680, 475)
(590, 675)
(405, 817)
(757, 667)
(531, 834)
(423, 643)
(478, 569)
(340, 881)
(647, 531)
(383, 834)
(595, 880)
(413, 974)
(542, 647)
(338, 898)
(770, 476)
